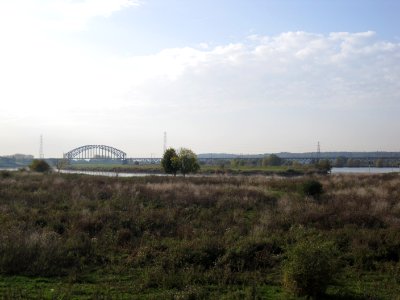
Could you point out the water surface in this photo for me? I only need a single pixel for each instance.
(364, 170)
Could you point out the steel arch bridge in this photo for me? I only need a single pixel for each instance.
(95, 152)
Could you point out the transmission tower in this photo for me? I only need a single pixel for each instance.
(318, 151)
(165, 141)
(41, 155)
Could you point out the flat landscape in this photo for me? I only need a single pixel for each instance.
(69, 236)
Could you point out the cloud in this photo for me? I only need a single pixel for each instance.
(226, 91)
(76, 14)
(288, 70)
(291, 69)
(54, 15)
(41, 70)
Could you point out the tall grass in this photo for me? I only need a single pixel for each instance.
(173, 233)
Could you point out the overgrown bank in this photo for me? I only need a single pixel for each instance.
(197, 238)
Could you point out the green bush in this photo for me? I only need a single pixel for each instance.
(312, 188)
(5, 174)
(39, 165)
(309, 267)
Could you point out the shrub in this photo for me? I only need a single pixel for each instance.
(39, 165)
(123, 236)
(312, 188)
(249, 255)
(5, 174)
(309, 267)
(31, 253)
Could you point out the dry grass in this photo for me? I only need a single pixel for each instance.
(217, 227)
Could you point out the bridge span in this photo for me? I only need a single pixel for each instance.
(95, 152)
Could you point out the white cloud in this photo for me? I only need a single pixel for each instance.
(76, 14)
(291, 69)
(60, 86)
(38, 69)
(21, 16)
(294, 68)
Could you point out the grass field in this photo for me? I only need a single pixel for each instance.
(68, 236)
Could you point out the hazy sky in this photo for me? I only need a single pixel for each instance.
(237, 76)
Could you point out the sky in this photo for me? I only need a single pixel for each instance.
(231, 76)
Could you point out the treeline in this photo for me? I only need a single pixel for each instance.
(275, 160)
(269, 160)
(342, 161)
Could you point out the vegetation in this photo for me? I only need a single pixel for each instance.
(39, 165)
(68, 236)
(310, 267)
(312, 188)
(324, 165)
(5, 174)
(170, 161)
(185, 161)
(272, 160)
(222, 168)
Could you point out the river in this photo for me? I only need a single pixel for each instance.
(109, 174)
(364, 170)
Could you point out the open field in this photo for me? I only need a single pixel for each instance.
(82, 237)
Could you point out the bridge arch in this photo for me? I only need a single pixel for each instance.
(95, 152)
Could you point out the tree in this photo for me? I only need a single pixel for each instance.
(379, 163)
(188, 161)
(61, 164)
(272, 160)
(170, 161)
(340, 162)
(324, 165)
(353, 163)
(39, 165)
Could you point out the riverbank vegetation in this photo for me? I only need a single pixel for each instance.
(215, 169)
(72, 236)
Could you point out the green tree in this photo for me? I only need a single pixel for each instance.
(235, 163)
(170, 161)
(379, 163)
(188, 161)
(39, 165)
(272, 160)
(324, 165)
(340, 162)
(353, 163)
